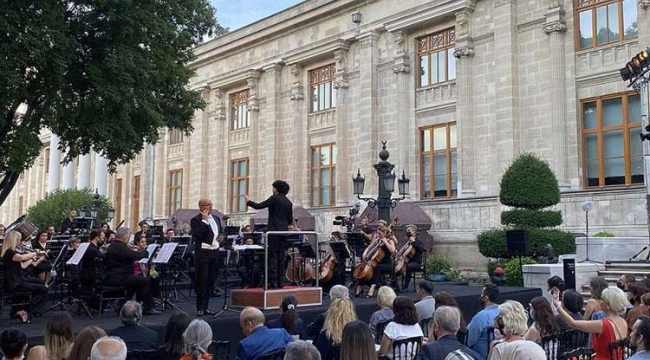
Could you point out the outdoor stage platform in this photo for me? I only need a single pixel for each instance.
(226, 326)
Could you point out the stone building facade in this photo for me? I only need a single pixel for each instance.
(457, 88)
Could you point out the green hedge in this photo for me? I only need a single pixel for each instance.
(56, 206)
(531, 218)
(492, 242)
(529, 183)
(513, 272)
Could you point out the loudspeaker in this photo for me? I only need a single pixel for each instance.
(517, 242)
(569, 268)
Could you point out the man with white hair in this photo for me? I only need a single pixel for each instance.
(443, 329)
(135, 336)
(108, 348)
(301, 350)
(259, 340)
(336, 292)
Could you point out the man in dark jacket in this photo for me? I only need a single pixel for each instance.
(92, 253)
(280, 217)
(445, 325)
(135, 337)
(119, 270)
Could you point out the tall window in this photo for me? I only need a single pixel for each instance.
(118, 200)
(21, 205)
(612, 150)
(175, 136)
(238, 185)
(175, 191)
(46, 160)
(606, 21)
(136, 201)
(321, 85)
(438, 160)
(436, 57)
(323, 174)
(239, 110)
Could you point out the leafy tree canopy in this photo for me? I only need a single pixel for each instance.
(104, 75)
(56, 206)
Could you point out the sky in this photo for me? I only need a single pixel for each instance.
(235, 14)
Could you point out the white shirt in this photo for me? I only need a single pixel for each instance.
(215, 230)
(518, 350)
(396, 331)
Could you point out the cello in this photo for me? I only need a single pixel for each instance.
(374, 255)
(404, 255)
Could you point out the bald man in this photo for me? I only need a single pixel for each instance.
(259, 339)
(207, 234)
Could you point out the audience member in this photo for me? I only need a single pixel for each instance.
(357, 342)
(134, 335)
(635, 291)
(336, 292)
(544, 323)
(477, 329)
(640, 339)
(572, 302)
(58, 339)
(460, 355)
(604, 331)
(385, 297)
(84, 342)
(512, 323)
(405, 326)
(301, 350)
(196, 340)
(13, 344)
(108, 348)
(328, 342)
(259, 339)
(444, 298)
(593, 311)
(172, 348)
(289, 318)
(443, 329)
(624, 281)
(555, 282)
(427, 304)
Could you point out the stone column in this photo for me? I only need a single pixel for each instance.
(300, 158)
(83, 179)
(269, 132)
(67, 178)
(464, 52)
(55, 157)
(254, 136)
(555, 28)
(344, 170)
(368, 128)
(405, 122)
(101, 176)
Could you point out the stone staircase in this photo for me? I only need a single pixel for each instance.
(614, 270)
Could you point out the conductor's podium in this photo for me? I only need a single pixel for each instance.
(271, 299)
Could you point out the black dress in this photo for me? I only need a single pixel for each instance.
(17, 282)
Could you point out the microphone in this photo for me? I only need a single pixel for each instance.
(639, 253)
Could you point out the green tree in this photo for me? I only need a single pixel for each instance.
(56, 206)
(102, 75)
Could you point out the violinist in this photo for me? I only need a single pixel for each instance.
(15, 281)
(385, 266)
(144, 269)
(144, 231)
(415, 262)
(44, 268)
(92, 252)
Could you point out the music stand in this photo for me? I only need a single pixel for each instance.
(253, 260)
(341, 252)
(168, 255)
(227, 245)
(260, 227)
(356, 242)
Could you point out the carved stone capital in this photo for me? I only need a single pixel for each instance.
(296, 87)
(219, 105)
(253, 86)
(554, 26)
(643, 4)
(402, 65)
(462, 23)
(340, 75)
(463, 51)
(400, 42)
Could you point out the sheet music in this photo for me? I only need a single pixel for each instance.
(150, 250)
(246, 247)
(165, 253)
(78, 254)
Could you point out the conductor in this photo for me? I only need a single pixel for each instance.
(280, 217)
(207, 235)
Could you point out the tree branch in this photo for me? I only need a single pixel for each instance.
(8, 182)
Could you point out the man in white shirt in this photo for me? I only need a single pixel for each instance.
(427, 305)
(207, 235)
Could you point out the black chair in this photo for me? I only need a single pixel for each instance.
(461, 335)
(582, 353)
(424, 325)
(406, 349)
(220, 350)
(379, 331)
(273, 355)
(619, 349)
(551, 346)
(573, 339)
(15, 299)
(141, 354)
(421, 271)
(98, 290)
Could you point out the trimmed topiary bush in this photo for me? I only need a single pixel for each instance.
(492, 242)
(604, 234)
(529, 183)
(531, 218)
(56, 206)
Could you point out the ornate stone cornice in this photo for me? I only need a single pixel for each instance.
(253, 88)
(643, 4)
(463, 51)
(498, 3)
(219, 105)
(340, 76)
(554, 26)
(296, 88)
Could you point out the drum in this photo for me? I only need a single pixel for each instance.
(26, 229)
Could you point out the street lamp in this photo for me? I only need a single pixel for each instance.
(386, 186)
(111, 214)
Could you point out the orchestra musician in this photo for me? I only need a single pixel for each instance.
(280, 216)
(51, 231)
(119, 268)
(388, 245)
(92, 252)
(44, 268)
(415, 262)
(146, 270)
(67, 225)
(2, 231)
(15, 280)
(169, 235)
(207, 235)
(144, 231)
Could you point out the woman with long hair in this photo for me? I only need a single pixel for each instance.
(385, 266)
(289, 318)
(357, 342)
(635, 291)
(172, 348)
(14, 279)
(84, 341)
(593, 310)
(544, 323)
(58, 340)
(605, 331)
(328, 342)
(443, 298)
(196, 339)
(405, 326)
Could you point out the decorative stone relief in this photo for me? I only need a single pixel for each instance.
(462, 23)
(644, 4)
(400, 42)
(297, 92)
(555, 26)
(219, 105)
(463, 51)
(402, 61)
(253, 99)
(340, 76)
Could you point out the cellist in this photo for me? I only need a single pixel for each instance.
(415, 262)
(385, 266)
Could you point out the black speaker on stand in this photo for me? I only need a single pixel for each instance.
(517, 243)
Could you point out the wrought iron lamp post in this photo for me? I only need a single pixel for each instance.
(386, 186)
